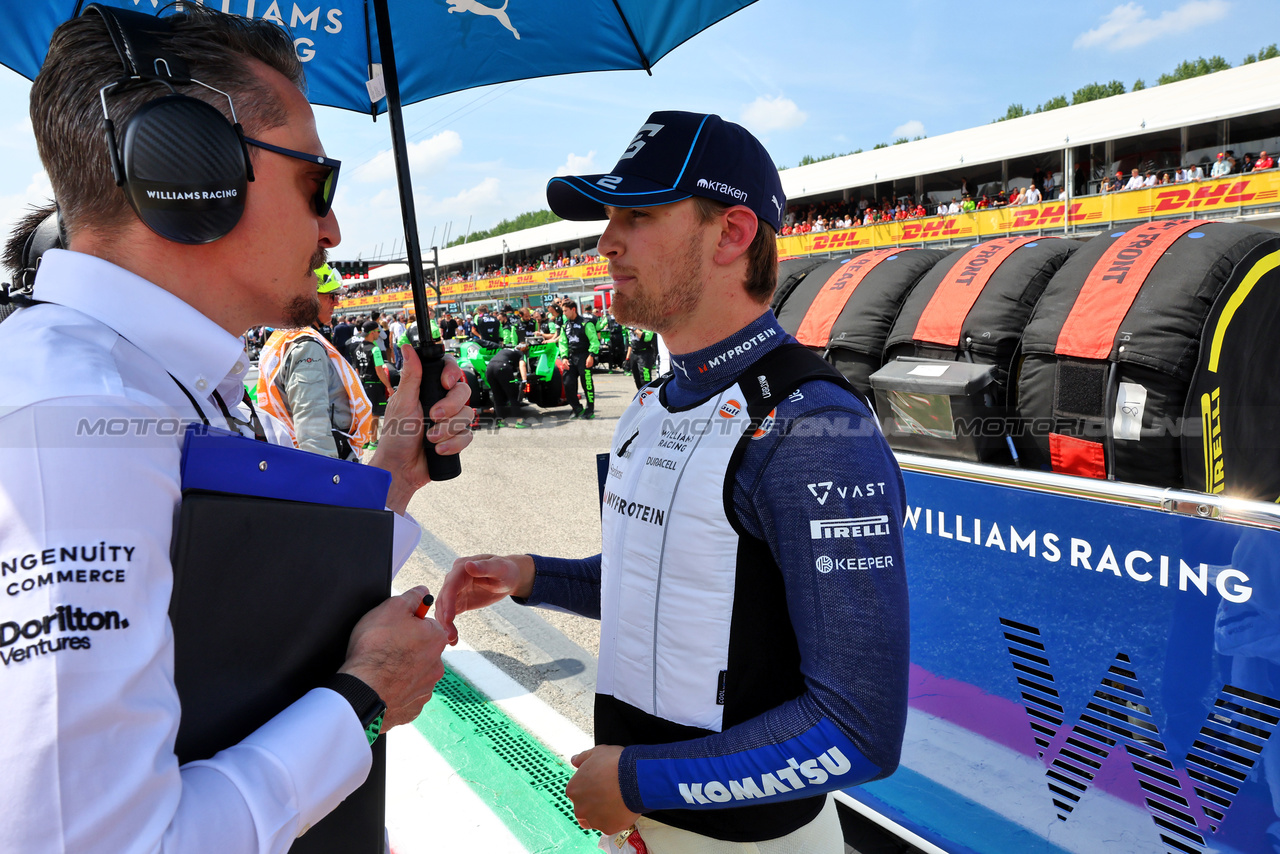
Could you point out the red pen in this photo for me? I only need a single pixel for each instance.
(421, 612)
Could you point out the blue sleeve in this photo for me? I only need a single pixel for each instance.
(565, 584)
(824, 468)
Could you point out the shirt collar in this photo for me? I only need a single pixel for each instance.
(198, 352)
(710, 368)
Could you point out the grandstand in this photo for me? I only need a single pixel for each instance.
(1158, 129)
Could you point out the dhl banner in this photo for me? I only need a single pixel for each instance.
(1235, 191)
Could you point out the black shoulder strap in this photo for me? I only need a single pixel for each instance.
(781, 371)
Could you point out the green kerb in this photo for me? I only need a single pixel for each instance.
(511, 771)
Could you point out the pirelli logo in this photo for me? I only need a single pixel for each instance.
(843, 529)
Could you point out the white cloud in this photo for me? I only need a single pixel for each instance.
(1129, 25)
(425, 157)
(14, 207)
(910, 130)
(766, 114)
(579, 165)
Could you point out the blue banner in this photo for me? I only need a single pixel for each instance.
(1087, 675)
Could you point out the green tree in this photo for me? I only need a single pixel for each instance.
(1015, 111)
(1052, 104)
(521, 222)
(880, 145)
(1097, 91)
(1139, 85)
(1195, 68)
(1268, 52)
(900, 140)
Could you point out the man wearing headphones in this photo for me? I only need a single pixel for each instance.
(309, 386)
(137, 326)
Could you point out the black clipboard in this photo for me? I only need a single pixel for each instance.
(277, 553)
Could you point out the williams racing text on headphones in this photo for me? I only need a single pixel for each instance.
(183, 166)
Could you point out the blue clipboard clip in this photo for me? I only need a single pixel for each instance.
(216, 460)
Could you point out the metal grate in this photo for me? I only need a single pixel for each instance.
(1186, 804)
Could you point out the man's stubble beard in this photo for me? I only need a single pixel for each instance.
(661, 311)
(305, 310)
(302, 311)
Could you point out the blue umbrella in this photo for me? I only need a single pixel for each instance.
(444, 45)
(349, 49)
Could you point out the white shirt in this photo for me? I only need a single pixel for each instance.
(1137, 182)
(1030, 197)
(90, 767)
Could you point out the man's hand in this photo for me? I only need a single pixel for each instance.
(400, 448)
(397, 655)
(591, 361)
(479, 581)
(596, 793)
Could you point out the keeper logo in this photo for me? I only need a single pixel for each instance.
(826, 563)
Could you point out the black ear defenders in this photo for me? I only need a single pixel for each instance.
(184, 168)
(47, 235)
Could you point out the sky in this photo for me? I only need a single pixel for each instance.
(808, 77)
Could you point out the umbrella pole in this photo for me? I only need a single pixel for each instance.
(430, 351)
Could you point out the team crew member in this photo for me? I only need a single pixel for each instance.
(373, 374)
(506, 373)
(555, 319)
(486, 327)
(642, 354)
(580, 345)
(753, 650)
(132, 327)
(311, 388)
(510, 329)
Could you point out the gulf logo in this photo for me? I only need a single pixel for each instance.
(765, 426)
(730, 409)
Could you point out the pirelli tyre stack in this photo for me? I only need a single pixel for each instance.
(1110, 351)
(791, 273)
(974, 305)
(845, 307)
(1235, 397)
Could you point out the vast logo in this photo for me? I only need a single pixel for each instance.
(477, 8)
(1186, 802)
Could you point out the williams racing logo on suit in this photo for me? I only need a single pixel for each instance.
(22, 640)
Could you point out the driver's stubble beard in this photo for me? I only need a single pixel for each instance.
(666, 303)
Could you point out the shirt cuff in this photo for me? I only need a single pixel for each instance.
(316, 755)
(407, 534)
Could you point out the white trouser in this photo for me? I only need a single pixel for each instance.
(820, 836)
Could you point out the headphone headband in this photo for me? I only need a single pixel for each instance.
(183, 166)
(133, 34)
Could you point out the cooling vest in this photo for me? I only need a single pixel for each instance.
(694, 634)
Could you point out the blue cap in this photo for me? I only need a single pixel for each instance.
(676, 155)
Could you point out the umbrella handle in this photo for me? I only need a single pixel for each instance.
(429, 392)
